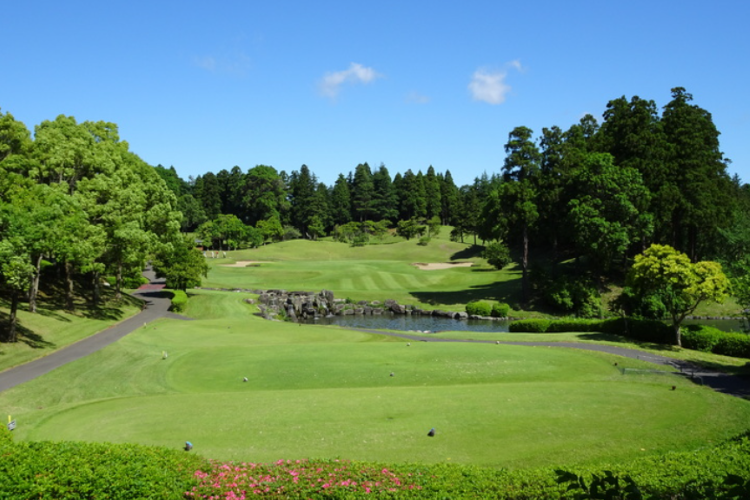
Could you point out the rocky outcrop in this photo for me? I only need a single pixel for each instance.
(299, 305)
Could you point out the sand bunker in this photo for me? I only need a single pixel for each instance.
(245, 263)
(434, 266)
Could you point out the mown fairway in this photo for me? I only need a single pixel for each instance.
(374, 272)
(326, 392)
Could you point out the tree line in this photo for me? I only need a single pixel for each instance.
(598, 193)
(75, 204)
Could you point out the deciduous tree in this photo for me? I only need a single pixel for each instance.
(681, 285)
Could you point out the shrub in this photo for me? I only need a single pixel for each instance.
(128, 281)
(424, 241)
(733, 344)
(69, 470)
(637, 305)
(497, 255)
(701, 337)
(360, 240)
(500, 310)
(529, 326)
(574, 325)
(479, 308)
(179, 300)
(647, 330)
(571, 295)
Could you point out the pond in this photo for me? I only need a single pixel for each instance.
(403, 322)
(406, 323)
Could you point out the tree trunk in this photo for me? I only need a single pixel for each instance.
(34, 289)
(95, 288)
(693, 243)
(677, 333)
(525, 265)
(118, 283)
(12, 337)
(69, 305)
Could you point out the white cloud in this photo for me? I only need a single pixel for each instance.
(517, 65)
(331, 83)
(489, 87)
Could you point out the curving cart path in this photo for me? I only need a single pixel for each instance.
(720, 382)
(156, 305)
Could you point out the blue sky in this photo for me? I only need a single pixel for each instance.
(204, 86)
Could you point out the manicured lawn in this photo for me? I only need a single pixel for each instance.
(51, 328)
(374, 272)
(327, 392)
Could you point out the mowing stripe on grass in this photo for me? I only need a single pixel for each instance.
(367, 283)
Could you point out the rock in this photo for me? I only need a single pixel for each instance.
(397, 308)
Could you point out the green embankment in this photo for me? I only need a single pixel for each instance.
(51, 328)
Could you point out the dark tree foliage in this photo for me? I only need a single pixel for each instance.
(433, 194)
(363, 193)
(385, 199)
(449, 200)
(699, 174)
(340, 202)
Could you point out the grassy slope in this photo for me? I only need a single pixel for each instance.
(386, 271)
(327, 392)
(51, 328)
(373, 272)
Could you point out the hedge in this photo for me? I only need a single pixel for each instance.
(179, 300)
(700, 337)
(479, 308)
(529, 326)
(73, 470)
(500, 310)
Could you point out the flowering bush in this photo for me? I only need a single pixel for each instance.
(296, 479)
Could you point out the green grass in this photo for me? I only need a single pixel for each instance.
(327, 392)
(51, 328)
(373, 272)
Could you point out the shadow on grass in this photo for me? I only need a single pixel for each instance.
(468, 252)
(23, 334)
(505, 291)
(608, 337)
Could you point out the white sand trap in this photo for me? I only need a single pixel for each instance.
(245, 263)
(434, 266)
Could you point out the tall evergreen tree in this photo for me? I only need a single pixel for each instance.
(209, 193)
(363, 193)
(340, 202)
(699, 171)
(449, 199)
(385, 200)
(265, 195)
(633, 134)
(433, 194)
(302, 187)
(518, 193)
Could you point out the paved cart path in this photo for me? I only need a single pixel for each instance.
(720, 382)
(156, 305)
